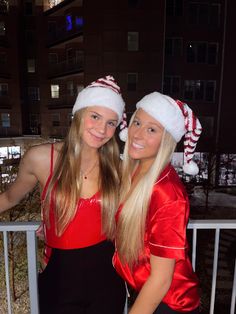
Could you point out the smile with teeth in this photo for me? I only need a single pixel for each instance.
(136, 145)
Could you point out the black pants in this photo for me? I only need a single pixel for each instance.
(165, 309)
(81, 281)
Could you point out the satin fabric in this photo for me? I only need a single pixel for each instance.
(165, 236)
(84, 230)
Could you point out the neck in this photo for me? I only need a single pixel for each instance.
(144, 166)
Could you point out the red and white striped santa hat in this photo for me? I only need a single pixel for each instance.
(178, 119)
(103, 92)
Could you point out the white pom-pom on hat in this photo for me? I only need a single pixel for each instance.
(123, 135)
(191, 168)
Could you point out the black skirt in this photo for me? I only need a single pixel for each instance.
(81, 281)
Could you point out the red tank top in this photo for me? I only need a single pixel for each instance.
(84, 230)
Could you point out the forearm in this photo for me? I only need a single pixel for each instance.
(150, 296)
(6, 202)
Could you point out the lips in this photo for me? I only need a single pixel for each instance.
(136, 145)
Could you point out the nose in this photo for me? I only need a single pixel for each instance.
(139, 133)
(101, 128)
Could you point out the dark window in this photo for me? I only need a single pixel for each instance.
(198, 52)
(3, 89)
(215, 14)
(172, 85)
(132, 79)
(174, 46)
(204, 14)
(212, 53)
(201, 52)
(28, 8)
(174, 7)
(3, 58)
(199, 90)
(55, 119)
(210, 91)
(133, 41)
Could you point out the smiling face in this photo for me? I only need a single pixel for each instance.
(99, 125)
(145, 134)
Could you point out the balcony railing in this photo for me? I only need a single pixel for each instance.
(30, 227)
(61, 34)
(67, 67)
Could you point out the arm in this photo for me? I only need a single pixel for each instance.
(26, 180)
(156, 286)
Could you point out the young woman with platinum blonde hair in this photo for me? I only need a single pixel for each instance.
(79, 179)
(151, 245)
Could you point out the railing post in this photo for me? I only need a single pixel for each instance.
(233, 299)
(214, 273)
(32, 271)
(6, 260)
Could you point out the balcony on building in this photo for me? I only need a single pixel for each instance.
(65, 101)
(67, 67)
(53, 6)
(4, 7)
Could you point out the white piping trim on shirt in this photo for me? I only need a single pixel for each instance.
(163, 177)
(169, 247)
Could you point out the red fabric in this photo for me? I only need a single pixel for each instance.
(84, 230)
(165, 236)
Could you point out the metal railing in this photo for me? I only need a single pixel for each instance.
(31, 241)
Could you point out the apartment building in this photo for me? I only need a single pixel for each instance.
(51, 49)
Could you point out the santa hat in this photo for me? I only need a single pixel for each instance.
(103, 92)
(178, 119)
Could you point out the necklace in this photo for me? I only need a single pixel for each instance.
(85, 174)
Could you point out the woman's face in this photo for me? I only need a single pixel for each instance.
(99, 125)
(145, 134)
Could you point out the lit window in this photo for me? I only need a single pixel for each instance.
(133, 41)
(55, 119)
(31, 65)
(2, 28)
(33, 93)
(3, 89)
(54, 91)
(5, 120)
(69, 23)
(132, 79)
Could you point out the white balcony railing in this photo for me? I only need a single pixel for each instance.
(30, 227)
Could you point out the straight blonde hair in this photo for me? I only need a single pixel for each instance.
(64, 188)
(132, 219)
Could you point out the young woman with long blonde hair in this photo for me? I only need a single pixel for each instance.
(79, 179)
(151, 242)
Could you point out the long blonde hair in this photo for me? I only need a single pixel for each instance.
(65, 185)
(132, 220)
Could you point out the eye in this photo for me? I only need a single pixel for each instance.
(94, 116)
(151, 130)
(136, 123)
(112, 124)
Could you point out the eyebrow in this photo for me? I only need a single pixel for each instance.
(92, 111)
(151, 123)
